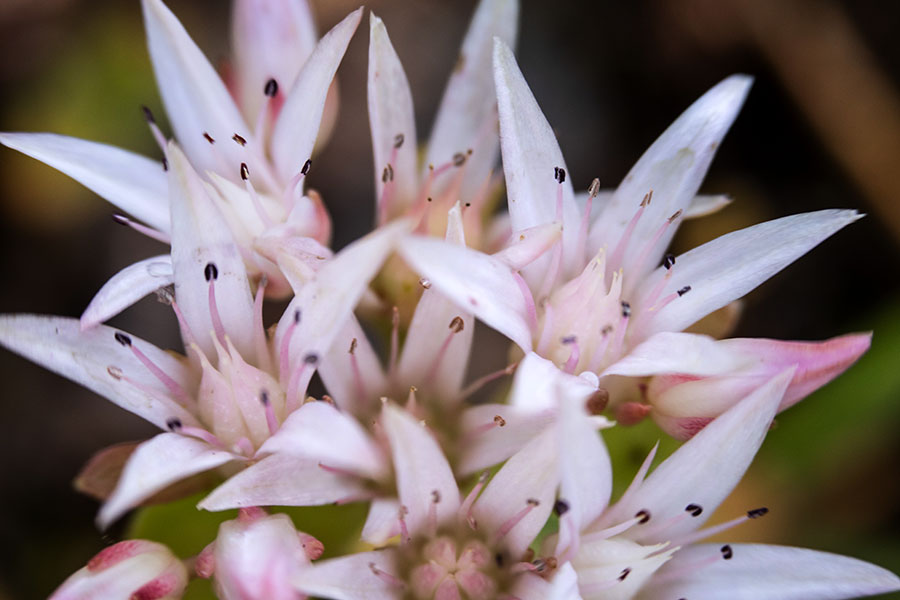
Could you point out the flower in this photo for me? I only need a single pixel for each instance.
(237, 385)
(644, 545)
(255, 173)
(129, 570)
(587, 314)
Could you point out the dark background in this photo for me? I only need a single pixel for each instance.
(821, 129)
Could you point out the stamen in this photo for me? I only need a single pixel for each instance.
(574, 354)
(154, 128)
(300, 381)
(432, 511)
(716, 529)
(174, 424)
(357, 375)
(271, 419)
(173, 386)
(465, 509)
(531, 503)
(211, 273)
(208, 138)
(638, 265)
(151, 233)
(456, 325)
(259, 331)
(581, 246)
(497, 421)
(386, 577)
(530, 309)
(284, 353)
(271, 91)
(609, 532)
(404, 531)
(615, 260)
(485, 379)
(254, 197)
(674, 295)
(239, 139)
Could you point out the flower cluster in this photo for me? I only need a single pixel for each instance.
(506, 498)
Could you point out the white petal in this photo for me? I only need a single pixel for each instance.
(200, 237)
(391, 115)
(131, 182)
(705, 469)
(537, 383)
(196, 100)
(770, 572)
(156, 464)
(281, 480)
(382, 522)
(467, 116)
(529, 475)
(92, 358)
(319, 432)
(127, 287)
(425, 482)
(529, 244)
(485, 449)
(684, 353)
(475, 281)
(350, 577)
(327, 302)
(730, 266)
(270, 39)
(298, 123)
(673, 167)
(706, 204)
(355, 389)
(530, 156)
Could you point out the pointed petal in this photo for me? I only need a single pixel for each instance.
(200, 237)
(538, 382)
(530, 244)
(381, 523)
(350, 577)
(298, 124)
(706, 204)
(682, 353)
(706, 468)
(99, 476)
(425, 482)
(97, 361)
(281, 480)
(327, 302)
(730, 266)
(476, 281)
(129, 181)
(391, 115)
(127, 287)
(355, 389)
(195, 98)
(319, 432)
(673, 167)
(563, 586)
(771, 572)
(155, 464)
(530, 156)
(529, 475)
(434, 359)
(270, 39)
(467, 116)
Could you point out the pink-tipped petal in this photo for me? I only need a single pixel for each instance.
(684, 354)
(127, 287)
(298, 123)
(392, 121)
(771, 572)
(705, 469)
(271, 39)
(281, 480)
(196, 100)
(155, 464)
(474, 281)
(129, 181)
(352, 577)
(673, 168)
(201, 238)
(97, 361)
(319, 432)
(467, 118)
(732, 265)
(531, 157)
(425, 483)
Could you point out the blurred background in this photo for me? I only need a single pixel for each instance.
(821, 129)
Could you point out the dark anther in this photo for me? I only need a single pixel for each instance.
(297, 316)
(597, 402)
(210, 271)
(271, 89)
(694, 509)
(559, 174)
(114, 372)
(120, 219)
(500, 421)
(676, 215)
(607, 329)
(459, 159)
(757, 512)
(642, 515)
(387, 174)
(208, 138)
(457, 324)
(398, 140)
(435, 496)
(245, 171)
(174, 424)
(533, 502)
(311, 358)
(624, 573)
(648, 197)
(626, 309)
(560, 507)
(569, 339)
(122, 338)
(353, 343)
(165, 163)
(726, 552)
(539, 565)
(594, 190)
(239, 139)
(306, 167)
(684, 290)
(148, 114)
(264, 397)
(669, 261)
(498, 558)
